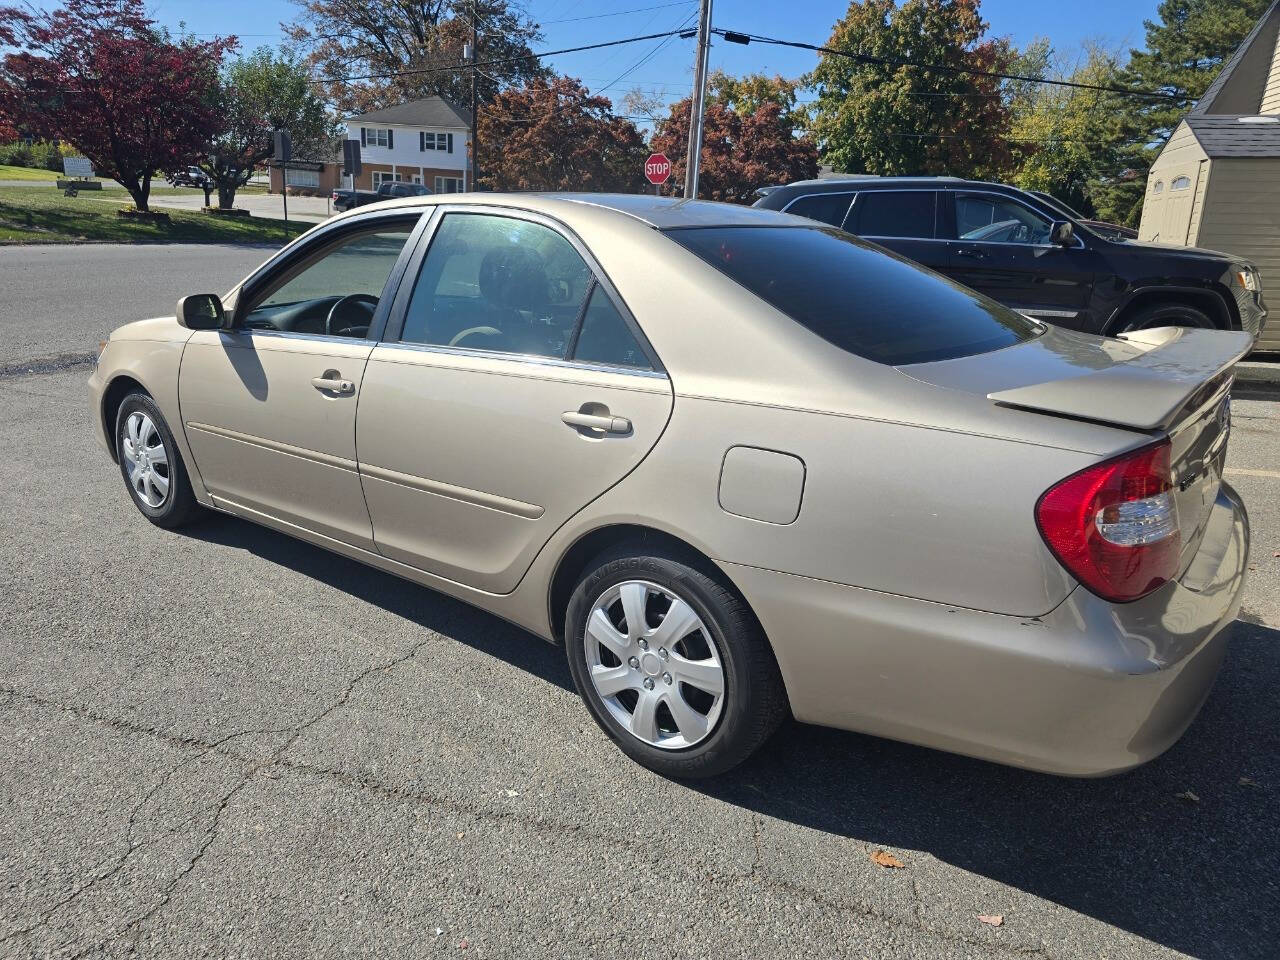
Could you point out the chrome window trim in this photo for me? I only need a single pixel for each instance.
(526, 358)
(956, 194)
(851, 194)
(295, 335)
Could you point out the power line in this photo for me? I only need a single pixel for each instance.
(497, 62)
(620, 13)
(647, 57)
(738, 36)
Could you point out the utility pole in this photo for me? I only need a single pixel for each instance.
(694, 155)
(475, 116)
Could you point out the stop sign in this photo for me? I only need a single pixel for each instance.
(657, 169)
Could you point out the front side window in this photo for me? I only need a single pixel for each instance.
(497, 283)
(993, 219)
(825, 207)
(869, 302)
(895, 213)
(336, 290)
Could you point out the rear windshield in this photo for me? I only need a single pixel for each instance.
(859, 297)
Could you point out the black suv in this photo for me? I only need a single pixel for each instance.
(1030, 254)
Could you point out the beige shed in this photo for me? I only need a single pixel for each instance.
(1216, 183)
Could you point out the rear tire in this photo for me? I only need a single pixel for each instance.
(1168, 314)
(153, 471)
(692, 700)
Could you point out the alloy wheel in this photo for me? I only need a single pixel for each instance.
(654, 665)
(145, 459)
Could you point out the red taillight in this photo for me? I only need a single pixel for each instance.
(1114, 525)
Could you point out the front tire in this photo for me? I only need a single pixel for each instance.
(672, 664)
(152, 468)
(1169, 314)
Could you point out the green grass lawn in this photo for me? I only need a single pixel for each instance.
(26, 173)
(43, 215)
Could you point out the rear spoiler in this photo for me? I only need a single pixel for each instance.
(1147, 392)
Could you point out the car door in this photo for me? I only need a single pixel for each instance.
(904, 221)
(512, 389)
(269, 405)
(1001, 248)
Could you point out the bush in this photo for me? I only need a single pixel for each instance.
(16, 155)
(41, 155)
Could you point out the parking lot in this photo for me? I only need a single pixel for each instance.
(226, 742)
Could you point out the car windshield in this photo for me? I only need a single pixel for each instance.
(858, 296)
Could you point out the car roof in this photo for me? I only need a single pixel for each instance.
(872, 182)
(662, 213)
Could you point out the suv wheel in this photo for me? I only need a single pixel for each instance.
(672, 664)
(1170, 314)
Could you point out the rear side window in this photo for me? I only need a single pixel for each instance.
(895, 213)
(827, 207)
(863, 300)
(606, 338)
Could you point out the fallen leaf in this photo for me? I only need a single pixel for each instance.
(461, 835)
(511, 793)
(994, 919)
(463, 945)
(886, 860)
(1188, 796)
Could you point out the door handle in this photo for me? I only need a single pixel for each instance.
(971, 252)
(591, 421)
(333, 384)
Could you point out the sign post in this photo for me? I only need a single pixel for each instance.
(657, 169)
(283, 154)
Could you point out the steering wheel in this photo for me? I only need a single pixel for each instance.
(367, 300)
(481, 331)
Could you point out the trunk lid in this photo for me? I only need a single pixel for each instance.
(1172, 381)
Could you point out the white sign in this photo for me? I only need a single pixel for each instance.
(77, 167)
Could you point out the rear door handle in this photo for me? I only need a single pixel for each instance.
(591, 421)
(972, 252)
(333, 385)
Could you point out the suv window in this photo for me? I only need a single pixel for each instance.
(605, 336)
(336, 290)
(490, 282)
(826, 207)
(993, 219)
(895, 213)
(866, 301)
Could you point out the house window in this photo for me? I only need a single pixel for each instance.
(381, 176)
(302, 178)
(1159, 188)
(435, 141)
(376, 137)
(417, 179)
(1180, 183)
(448, 185)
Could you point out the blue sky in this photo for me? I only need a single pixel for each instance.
(665, 69)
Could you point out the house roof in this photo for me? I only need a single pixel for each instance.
(1248, 136)
(431, 112)
(1239, 86)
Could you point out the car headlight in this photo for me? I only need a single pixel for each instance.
(1247, 277)
(102, 347)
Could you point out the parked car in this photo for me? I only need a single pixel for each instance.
(738, 463)
(1112, 231)
(190, 177)
(387, 190)
(1033, 256)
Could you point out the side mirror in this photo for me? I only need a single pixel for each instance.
(1063, 233)
(201, 311)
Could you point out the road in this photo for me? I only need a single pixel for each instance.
(59, 299)
(308, 209)
(227, 742)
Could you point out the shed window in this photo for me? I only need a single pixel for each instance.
(1159, 187)
(1180, 183)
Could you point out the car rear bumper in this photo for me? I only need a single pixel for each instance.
(1089, 689)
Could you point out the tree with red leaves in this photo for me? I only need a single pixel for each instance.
(554, 135)
(741, 151)
(100, 75)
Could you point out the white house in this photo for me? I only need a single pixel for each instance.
(425, 141)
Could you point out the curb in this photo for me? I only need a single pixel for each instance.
(1255, 373)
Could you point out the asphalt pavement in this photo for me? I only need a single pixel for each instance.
(59, 300)
(224, 742)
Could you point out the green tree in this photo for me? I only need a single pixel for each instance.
(873, 116)
(745, 95)
(1185, 50)
(411, 49)
(1062, 139)
(259, 94)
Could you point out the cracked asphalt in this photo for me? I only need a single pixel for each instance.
(223, 742)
